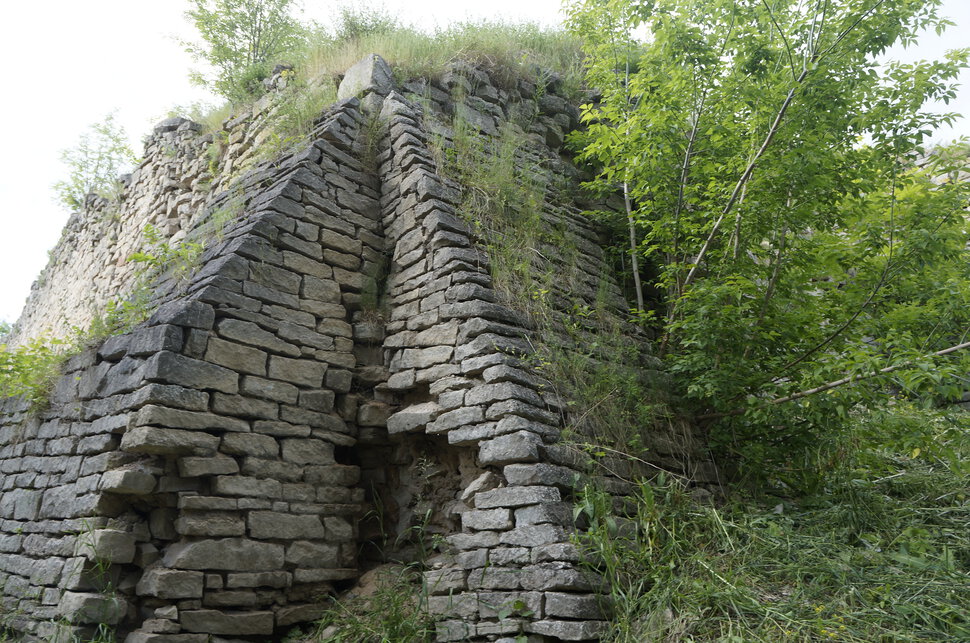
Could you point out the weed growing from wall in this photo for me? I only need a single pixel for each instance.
(395, 611)
(582, 347)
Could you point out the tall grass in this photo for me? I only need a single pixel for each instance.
(881, 552)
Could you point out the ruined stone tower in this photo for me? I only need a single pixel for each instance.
(339, 368)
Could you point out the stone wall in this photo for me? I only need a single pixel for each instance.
(341, 370)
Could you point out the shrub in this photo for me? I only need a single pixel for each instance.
(95, 163)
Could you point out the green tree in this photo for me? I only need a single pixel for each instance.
(94, 164)
(769, 160)
(241, 40)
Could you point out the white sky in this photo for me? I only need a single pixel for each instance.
(71, 62)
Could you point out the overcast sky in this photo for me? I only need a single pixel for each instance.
(71, 62)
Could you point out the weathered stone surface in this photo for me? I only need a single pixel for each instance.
(78, 607)
(227, 623)
(210, 524)
(231, 554)
(521, 446)
(190, 467)
(413, 418)
(568, 630)
(106, 545)
(150, 439)
(371, 74)
(191, 373)
(170, 583)
(516, 497)
(268, 524)
(127, 481)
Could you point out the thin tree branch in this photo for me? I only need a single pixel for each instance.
(771, 14)
(829, 385)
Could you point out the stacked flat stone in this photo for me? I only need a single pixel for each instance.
(340, 371)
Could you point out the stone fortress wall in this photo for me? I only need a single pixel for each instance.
(211, 474)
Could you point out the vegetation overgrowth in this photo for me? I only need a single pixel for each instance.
(781, 203)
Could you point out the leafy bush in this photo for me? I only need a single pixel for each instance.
(95, 164)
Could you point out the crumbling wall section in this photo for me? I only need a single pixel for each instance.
(343, 373)
(188, 479)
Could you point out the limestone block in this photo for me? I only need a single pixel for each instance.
(170, 583)
(79, 607)
(521, 446)
(179, 419)
(259, 579)
(454, 419)
(269, 524)
(313, 555)
(210, 524)
(300, 372)
(534, 535)
(228, 623)
(107, 545)
(307, 451)
(141, 636)
(231, 554)
(191, 373)
(237, 357)
(485, 519)
(413, 418)
(269, 389)
(373, 414)
(491, 604)
(247, 486)
(578, 606)
(153, 440)
(191, 467)
(516, 497)
(191, 314)
(252, 335)
(568, 630)
(254, 444)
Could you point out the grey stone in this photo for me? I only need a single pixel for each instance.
(239, 358)
(246, 486)
(521, 446)
(191, 467)
(179, 419)
(231, 554)
(269, 389)
(210, 524)
(268, 524)
(127, 481)
(296, 371)
(568, 630)
(487, 519)
(149, 439)
(191, 314)
(312, 555)
(307, 451)
(255, 444)
(516, 497)
(194, 374)
(413, 418)
(228, 623)
(534, 535)
(574, 606)
(170, 583)
(251, 334)
(454, 419)
(78, 607)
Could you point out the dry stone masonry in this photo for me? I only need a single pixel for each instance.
(341, 371)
